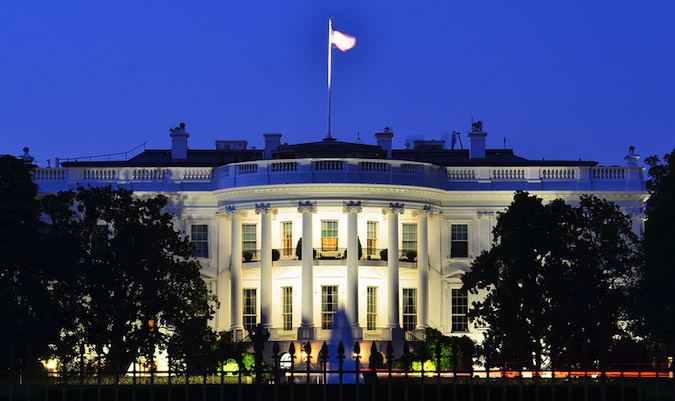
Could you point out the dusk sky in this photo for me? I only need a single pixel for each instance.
(563, 80)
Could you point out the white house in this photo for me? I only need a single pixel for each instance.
(431, 209)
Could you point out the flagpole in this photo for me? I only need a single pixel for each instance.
(330, 62)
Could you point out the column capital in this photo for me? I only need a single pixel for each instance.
(231, 211)
(395, 208)
(427, 210)
(306, 207)
(264, 208)
(351, 206)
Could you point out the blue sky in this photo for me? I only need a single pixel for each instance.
(556, 79)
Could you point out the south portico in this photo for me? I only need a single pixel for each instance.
(348, 270)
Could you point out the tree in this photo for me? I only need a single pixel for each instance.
(27, 314)
(132, 285)
(657, 298)
(558, 279)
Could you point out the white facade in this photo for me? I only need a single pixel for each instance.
(445, 212)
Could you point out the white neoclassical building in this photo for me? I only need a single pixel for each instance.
(386, 233)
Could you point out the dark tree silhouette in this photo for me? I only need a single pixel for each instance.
(132, 284)
(558, 281)
(657, 298)
(27, 314)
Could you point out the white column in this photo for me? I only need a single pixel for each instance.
(265, 264)
(235, 275)
(352, 305)
(306, 331)
(423, 268)
(392, 264)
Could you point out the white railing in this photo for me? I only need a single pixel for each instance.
(352, 171)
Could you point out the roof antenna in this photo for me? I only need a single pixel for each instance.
(456, 136)
(504, 142)
(358, 138)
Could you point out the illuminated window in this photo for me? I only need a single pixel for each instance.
(371, 246)
(409, 237)
(371, 308)
(329, 235)
(460, 306)
(287, 238)
(287, 307)
(459, 245)
(199, 237)
(409, 309)
(250, 309)
(329, 305)
(249, 241)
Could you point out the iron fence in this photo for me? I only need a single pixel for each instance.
(339, 374)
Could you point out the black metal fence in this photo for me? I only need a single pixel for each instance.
(343, 375)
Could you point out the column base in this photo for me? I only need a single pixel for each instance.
(237, 334)
(306, 333)
(357, 333)
(419, 333)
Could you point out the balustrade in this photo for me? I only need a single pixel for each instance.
(264, 172)
(608, 173)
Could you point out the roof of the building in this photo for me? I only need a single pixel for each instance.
(331, 148)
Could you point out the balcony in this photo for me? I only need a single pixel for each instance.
(348, 171)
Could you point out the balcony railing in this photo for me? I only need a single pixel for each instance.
(347, 171)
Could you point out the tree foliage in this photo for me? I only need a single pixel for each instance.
(559, 281)
(28, 316)
(128, 281)
(657, 295)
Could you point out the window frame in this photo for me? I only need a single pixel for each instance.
(459, 307)
(412, 237)
(250, 243)
(329, 243)
(455, 248)
(371, 307)
(409, 308)
(287, 308)
(371, 237)
(200, 245)
(329, 305)
(249, 308)
(287, 238)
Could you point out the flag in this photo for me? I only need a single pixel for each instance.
(342, 41)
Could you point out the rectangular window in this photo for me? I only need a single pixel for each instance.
(460, 306)
(371, 246)
(250, 309)
(329, 235)
(287, 238)
(249, 241)
(409, 237)
(287, 307)
(459, 244)
(199, 236)
(371, 308)
(329, 305)
(409, 309)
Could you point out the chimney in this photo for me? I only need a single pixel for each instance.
(384, 140)
(179, 143)
(477, 141)
(272, 142)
